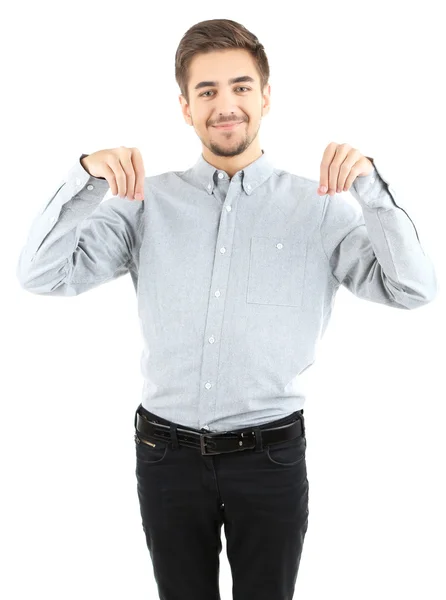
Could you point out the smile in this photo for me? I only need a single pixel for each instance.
(227, 126)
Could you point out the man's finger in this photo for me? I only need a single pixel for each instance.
(327, 157)
(138, 166)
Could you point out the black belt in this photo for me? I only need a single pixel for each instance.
(220, 442)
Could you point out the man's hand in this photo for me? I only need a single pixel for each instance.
(122, 167)
(340, 166)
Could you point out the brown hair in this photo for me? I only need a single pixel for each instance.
(217, 34)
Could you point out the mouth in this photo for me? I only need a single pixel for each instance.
(227, 126)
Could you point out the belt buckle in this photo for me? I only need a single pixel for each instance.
(217, 433)
(203, 443)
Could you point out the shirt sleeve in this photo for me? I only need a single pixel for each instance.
(76, 242)
(373, 246)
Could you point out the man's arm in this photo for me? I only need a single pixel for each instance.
(76, 242)
(373, 248)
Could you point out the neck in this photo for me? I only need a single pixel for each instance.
(232, 164)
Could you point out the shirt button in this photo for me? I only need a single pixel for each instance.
(248, 186)
(211, 339)
(78, 181)
(217, 293)
(223, 250)
(279, 246)
(209, 186)
(89, 187)
(208, 385)
(228, 208)
(220, 175)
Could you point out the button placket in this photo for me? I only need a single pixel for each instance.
(208, 385)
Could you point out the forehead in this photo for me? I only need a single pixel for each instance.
(221, 65)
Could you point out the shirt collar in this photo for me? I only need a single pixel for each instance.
(251, 176)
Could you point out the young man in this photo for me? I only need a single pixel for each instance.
(236, 264)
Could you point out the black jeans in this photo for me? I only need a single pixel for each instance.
(261, 498)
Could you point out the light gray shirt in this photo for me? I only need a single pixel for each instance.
(235, 277)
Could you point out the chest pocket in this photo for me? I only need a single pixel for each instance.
(276, 270)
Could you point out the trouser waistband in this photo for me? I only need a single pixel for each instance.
(249, 437)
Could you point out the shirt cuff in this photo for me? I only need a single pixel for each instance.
(373, 190)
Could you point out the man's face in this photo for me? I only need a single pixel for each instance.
(240, 102)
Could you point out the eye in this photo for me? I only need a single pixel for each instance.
(240, 87)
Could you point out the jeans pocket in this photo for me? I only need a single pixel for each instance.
(149, 450)
(287, 453)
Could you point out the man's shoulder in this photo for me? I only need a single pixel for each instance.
(296, 181)
(161, 179)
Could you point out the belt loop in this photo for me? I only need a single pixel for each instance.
(174, 435)
(136, 416)
(302, 421)
(259, 441)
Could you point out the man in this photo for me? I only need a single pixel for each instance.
(236, 264)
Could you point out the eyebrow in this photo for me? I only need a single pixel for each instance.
(240, 79)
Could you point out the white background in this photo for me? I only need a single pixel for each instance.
(83, 76)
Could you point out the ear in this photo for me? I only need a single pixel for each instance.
(185, 109)
(266, 105)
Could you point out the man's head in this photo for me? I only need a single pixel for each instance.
(210, 61)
